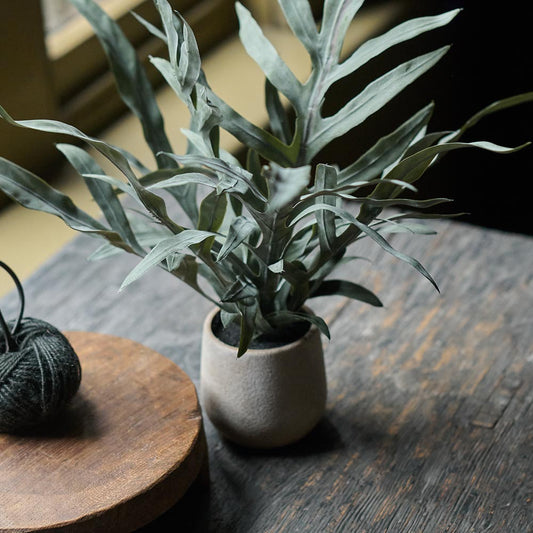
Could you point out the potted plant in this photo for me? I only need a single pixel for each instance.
(263, 236)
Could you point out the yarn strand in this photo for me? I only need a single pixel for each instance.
(8, 335)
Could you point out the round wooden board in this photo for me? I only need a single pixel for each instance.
(127, 448)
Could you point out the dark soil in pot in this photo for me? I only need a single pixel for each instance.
(280, 337)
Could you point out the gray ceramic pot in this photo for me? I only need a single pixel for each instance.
(266, 398)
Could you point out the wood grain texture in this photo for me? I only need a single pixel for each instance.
(429, 426)
(127, 448)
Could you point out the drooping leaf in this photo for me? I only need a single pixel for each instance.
(387, 150)
(488, 110)
(163, 249)
(248, 314)
(102, 193)
(348, 289)
(407, 227)
(233, 173)
(153, 203)
(287, 317)
(412, 167)
(32, 192)
(131, 79)
(374, 235)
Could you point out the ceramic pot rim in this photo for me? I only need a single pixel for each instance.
(258, 352)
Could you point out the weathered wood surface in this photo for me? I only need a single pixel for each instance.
(429, 426)
(125, 451)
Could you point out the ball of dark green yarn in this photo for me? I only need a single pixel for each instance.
(38, 378)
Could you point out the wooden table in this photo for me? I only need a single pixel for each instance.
(429, 424)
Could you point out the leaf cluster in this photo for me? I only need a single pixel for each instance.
(264, 237)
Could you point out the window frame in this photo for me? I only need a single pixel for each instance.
(65, 75)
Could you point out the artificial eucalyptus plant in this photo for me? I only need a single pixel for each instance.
(265, 235)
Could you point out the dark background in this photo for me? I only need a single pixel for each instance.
(490, 59)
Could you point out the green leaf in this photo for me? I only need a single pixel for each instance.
(183, 70)
(301, 21)
(337, 17)
(294, 272)
(132, 82)
(163, 249)
(264, 143)
(348, 289)
(240, 291)
(387, 202)
(102, 193)
(285, 317)
(387, 150)
(285, 184)
(247, 329)
(253, 164)
(371, 99)
(416, 229)
(222, 169)
(260, 49)
(153, 203)
(374, 235)
(212, 211)
(240, 229)
(326, 178)
(154, 30)
(399, 34)
(412, 167)
(492, 108)
(169, 26)
(296, 248)
(32, 192)
(279, 121)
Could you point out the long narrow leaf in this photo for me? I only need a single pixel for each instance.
(279, 121)
(374, 235)
(294, 316)
(163, 249)
(348, 289)
(399, 34)
(285, 185)
(372, 98)
(387, 150)
(337, 16)
(131, 79)
(326, 178)
(300, 18)
(263, 142)
(102, 193)
(265, 55)
(492, 108)
(153, 203)
(32, 192)
(240, 229)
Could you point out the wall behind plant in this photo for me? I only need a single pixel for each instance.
(490, 59)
